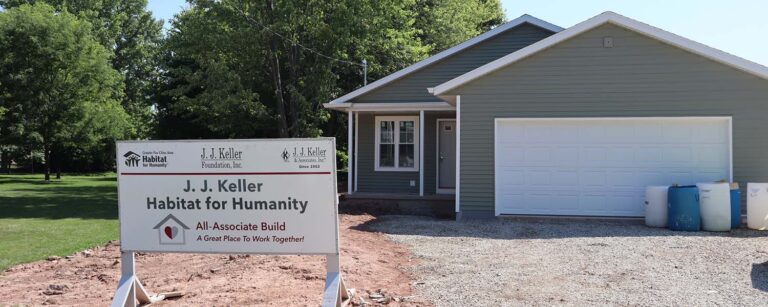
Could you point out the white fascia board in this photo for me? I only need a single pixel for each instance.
(448, 52)
(621, 21)
(404, 106)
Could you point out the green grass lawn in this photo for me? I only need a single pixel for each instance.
(39, 219)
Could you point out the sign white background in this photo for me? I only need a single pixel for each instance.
(302, 169)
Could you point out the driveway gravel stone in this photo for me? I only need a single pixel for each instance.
(512, 262)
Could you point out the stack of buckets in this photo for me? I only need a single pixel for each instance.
(707, 206)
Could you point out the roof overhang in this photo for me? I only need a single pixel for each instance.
(390, 107)
(604, 18)
(446, 53)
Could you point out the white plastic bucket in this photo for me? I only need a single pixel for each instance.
(656, 206)
(757, 206)
(715, 202)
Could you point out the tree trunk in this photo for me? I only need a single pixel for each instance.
(293, 80)
(57, 158)
(4, 165)
(281, 114)
(47, 157)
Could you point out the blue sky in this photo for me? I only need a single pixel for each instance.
(735, 26)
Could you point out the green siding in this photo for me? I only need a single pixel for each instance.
(413, 87)
(639, 76)
(371, 181)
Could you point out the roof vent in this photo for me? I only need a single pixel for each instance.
(608, 42)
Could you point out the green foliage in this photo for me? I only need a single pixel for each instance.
(63, 217)
(128, 31)
(342, 159)
(445, 23)
(227, 69)
(56, 81)
(232, 75)
(252, 68)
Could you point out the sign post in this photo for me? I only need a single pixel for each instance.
(271, 196)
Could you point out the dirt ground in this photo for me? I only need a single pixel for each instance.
(372, 264)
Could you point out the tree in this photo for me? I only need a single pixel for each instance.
(264, 68)
(446, 23)
(57, 80)
(133, 36)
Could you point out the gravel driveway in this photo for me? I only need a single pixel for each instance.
(559, 262)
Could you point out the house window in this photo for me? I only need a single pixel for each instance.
(397, 139)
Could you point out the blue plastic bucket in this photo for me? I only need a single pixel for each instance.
(735, 208)
(683, 208)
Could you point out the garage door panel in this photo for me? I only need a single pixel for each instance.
(514, 177)
(593, 154)
(626, 178)
(677, 132)
(649, 154)
(513, 201)
(538, 178)
(592, 203)
(565, 155)
(590, 132)
(565, 134)
(601, 166)
(710, 154)
(709, 134)
(623, 204)
(621, 154)
(565, 178)
(536, 154)
(591, 178)
(677, 155)
(649, 135)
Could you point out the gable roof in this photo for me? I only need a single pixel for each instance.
(446, 53)
(604, 18)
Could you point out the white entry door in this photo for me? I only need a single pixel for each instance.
(601, 166)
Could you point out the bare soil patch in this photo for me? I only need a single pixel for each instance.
(371, 263)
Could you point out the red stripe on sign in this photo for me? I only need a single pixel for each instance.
(238, 173)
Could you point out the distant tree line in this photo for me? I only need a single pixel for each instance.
(77, 75)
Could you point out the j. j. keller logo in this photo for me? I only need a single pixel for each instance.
(304, 154)
(285, 155)
(132, 159)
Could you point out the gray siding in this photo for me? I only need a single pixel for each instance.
(371, 181)
(413, 88)
(638, 77)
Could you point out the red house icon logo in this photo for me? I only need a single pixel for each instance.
(171, 231)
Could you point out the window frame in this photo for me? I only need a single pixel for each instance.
(416, 143)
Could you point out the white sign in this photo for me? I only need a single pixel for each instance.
(228, 196)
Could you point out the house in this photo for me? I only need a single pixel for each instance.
(533, 119)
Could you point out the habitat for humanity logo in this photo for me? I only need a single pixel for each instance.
(147, 158)
(132, 159)
(171, 230)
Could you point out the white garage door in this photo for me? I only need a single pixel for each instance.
(601, 166)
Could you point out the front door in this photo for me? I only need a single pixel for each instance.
(446, 156)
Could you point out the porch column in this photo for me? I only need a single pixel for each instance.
(355, 137)
(458, 154)
(350, 158)
(421, 153)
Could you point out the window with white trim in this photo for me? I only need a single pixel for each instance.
(397, 143)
